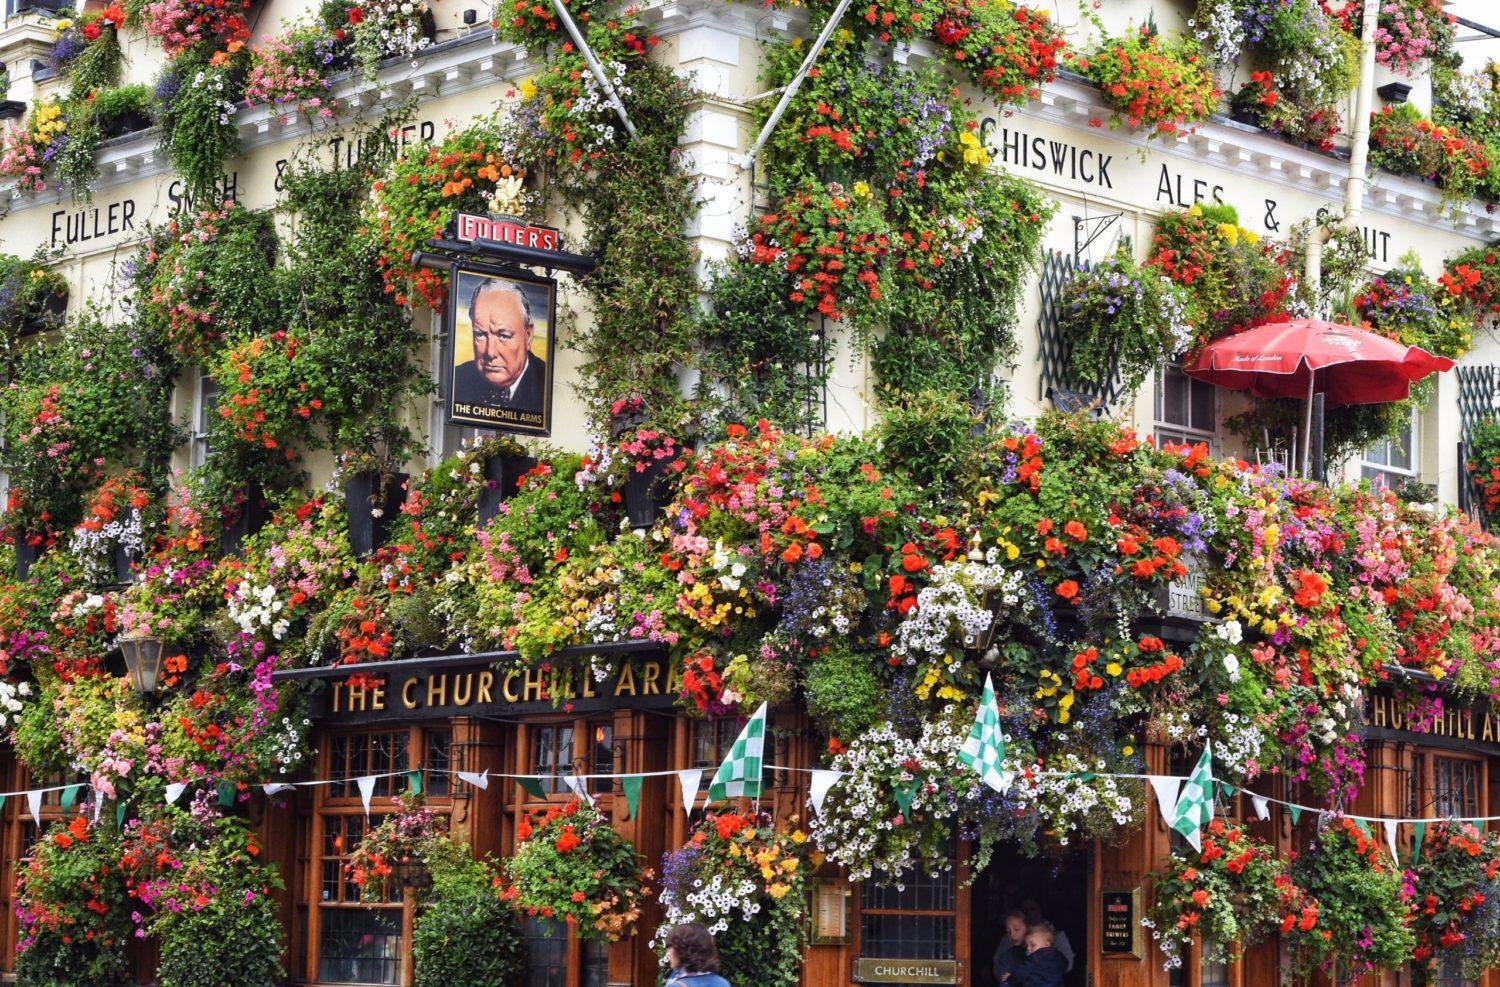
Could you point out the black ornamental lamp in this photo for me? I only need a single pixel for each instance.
(142, 662)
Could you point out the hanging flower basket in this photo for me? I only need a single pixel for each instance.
(412, 873)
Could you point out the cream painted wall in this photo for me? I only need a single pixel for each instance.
(716, 45)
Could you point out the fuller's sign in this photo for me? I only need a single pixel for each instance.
(432, 692)
(501, 229)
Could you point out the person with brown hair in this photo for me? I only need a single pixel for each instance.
(693, 957)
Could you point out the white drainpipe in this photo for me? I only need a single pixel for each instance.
(1354, 191)
(1359, 151)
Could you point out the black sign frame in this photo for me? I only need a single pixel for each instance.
(498, 419)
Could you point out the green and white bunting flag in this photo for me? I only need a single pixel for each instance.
(631, 786)
(739, 775)
(1195, 806)
(984, 751)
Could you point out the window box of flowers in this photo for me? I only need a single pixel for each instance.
(243, 518)
(373, 494)
(503, 470)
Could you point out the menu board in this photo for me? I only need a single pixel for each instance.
(830, 912)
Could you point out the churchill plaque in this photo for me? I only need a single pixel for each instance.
(877, 971)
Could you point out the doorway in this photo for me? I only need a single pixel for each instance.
(1054, 885)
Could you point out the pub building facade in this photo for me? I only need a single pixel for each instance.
(454, 713)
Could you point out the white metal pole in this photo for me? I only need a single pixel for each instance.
(1312, 379)
(594, 66)
(790, 91)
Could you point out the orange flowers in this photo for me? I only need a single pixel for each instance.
(567, 840)
(1068, 590)
(1310, 588)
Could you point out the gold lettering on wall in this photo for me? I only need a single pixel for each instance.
(408, 693)
(508, 687)
(463, 689)
(486, 682)
(437, 690)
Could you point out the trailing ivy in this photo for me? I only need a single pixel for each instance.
(636, 202)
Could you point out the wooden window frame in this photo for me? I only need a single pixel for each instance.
(331, 802)
(518, 802)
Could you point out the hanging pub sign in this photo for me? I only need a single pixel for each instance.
(501, 319)
(501, 331)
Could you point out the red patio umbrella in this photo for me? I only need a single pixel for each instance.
(1305, 357)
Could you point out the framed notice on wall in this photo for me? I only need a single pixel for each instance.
(502, 327)
(1120, 914)
(830, 911)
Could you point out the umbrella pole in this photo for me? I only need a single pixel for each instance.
(1312, 377)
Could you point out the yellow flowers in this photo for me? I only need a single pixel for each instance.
(1114, 669)
(862, 190)
(528, 90)
(973, 151)
(1230, 233)
(47, 122)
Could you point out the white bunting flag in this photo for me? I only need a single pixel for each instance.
(174, 792)
(480, 781)
(1166, 788)
(277, 787)
(689, 780)
(34, 803)
(1389, 826)
(366, 790)
(1262, 807)
(579, 787)
(822, 781)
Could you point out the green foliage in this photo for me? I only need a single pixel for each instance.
(197, 123)
(465, 933)
(77, 407)
(121, 101)
(76, 167)
(762, 349)
(932, 433)
(97, 66)
(845, 695)
(362, 340)
(885, 167)
(636, 201)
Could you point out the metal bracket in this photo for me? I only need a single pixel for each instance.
(1087, 230)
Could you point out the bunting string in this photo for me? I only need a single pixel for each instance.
(826, 778)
